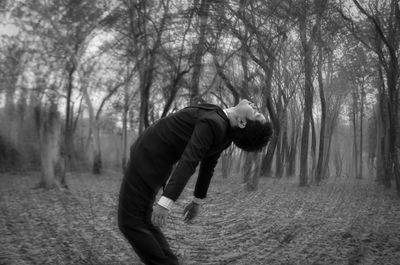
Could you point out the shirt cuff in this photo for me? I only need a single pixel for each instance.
(198, 201)
(165, 202)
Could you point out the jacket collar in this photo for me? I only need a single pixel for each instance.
(208, 106)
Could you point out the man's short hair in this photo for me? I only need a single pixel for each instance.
(253, 137)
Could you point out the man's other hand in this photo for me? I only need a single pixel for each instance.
(159, 216)
(191, 211)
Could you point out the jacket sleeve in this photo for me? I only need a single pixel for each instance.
(205, 174)
(199, 144)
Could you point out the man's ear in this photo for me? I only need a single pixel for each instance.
(241, 123)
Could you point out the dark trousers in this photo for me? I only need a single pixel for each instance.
(134, 220)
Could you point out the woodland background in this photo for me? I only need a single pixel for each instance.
(80, 80)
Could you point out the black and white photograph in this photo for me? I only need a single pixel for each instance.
(200, 132)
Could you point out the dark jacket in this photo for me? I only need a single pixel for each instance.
(192, 135)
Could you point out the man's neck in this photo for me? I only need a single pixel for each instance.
(230, 113)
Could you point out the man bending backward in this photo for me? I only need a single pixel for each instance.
(193, 135)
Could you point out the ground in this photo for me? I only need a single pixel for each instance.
(342, 221)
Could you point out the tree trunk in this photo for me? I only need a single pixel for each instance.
(9, 109)
(266, 165)
(97, 162)
(281, 144)
(338, 162)
(313, 149)
(199, 52)
(49, 130)
(252, 171)
(327, 155)
(226, 161)
(355, 145)
(241, 158)
(12, 62)
(383, 164)
(247, 166)
(149, 49)
(21, 117)
(94, 134)
(393, 91)
(291, 161)
(387, 45)
(284, 154)
(307, 46)
(360, 162)
(68, 134)
(371, 141)
(244, 60)
(321, 148)
(224, 164)
(380, 177)
(125, 110)
(144, 100)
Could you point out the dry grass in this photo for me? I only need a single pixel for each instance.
(343, 221)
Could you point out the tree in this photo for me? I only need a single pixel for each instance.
(307, 43)
(61, 30)
(383, 39)
(111, 88)
(323, 48)
(199, 49)
(49, 131)
(264, 31)
(10, 71)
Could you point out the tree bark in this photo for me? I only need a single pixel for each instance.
(360, 162)
(266, 165)
(294, 135)
(148, 46)
(226, 161)
(49, 131)
(354, 123)
(388, 37)
(199, 51)
(94, 134)
(313, 152)
(68, 133)
(321, 148)
(280, 150)
(251, 171)
(125, 110)
(307, 46)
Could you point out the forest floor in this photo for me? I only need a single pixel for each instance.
(342, 221)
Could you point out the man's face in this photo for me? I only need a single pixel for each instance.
(250, 111)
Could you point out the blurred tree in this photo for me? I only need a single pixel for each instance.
(287, 88)
(176, 56)
(325, 37)
(383, 39)
(93, 72)
(261, 29)
(49, 131)
(10, 72)
(61, 31)
(44, 102)
(145, 29)
(308, 29)
(152, 57)
(359, 69)
(199, 49)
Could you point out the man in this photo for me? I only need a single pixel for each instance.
(196, 134)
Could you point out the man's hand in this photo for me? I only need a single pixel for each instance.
(191, 211)
(159, 216)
